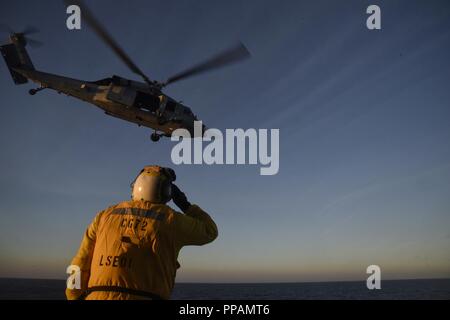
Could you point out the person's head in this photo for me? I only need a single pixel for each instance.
(154, 184)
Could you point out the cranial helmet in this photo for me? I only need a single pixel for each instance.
(154, 184)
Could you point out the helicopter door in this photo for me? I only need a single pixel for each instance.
(119, 94)
(146, 101)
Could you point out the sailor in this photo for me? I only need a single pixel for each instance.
(130, 250)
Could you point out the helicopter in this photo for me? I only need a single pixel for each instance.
(142, 103)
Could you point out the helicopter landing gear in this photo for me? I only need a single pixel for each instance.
(34, 91)
(155, 137)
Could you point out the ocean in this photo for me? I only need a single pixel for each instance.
(390, 289)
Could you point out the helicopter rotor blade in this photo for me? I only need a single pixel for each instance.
(234, 54)
(29, 30)
(108, 39)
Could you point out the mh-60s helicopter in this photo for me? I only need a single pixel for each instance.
(142, 103)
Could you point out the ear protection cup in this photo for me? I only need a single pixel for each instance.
(165, 190)
(166, 186)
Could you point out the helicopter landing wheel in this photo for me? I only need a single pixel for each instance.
(155, 137)
(34, 91)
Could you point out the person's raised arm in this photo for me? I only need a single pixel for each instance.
(195, 227)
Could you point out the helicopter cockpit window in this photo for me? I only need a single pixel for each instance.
(170, 106)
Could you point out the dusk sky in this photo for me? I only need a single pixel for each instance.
(364, 119)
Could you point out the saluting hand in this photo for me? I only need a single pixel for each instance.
(179, 198)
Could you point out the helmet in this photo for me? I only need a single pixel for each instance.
(154, 184)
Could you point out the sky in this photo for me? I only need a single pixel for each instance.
(363, 116)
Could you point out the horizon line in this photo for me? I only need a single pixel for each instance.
(253, 282)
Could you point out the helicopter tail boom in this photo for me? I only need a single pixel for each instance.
(16, 56)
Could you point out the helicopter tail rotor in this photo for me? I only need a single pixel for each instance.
(21, 37)
(15, 54)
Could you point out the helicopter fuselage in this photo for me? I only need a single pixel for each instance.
(129, 100)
